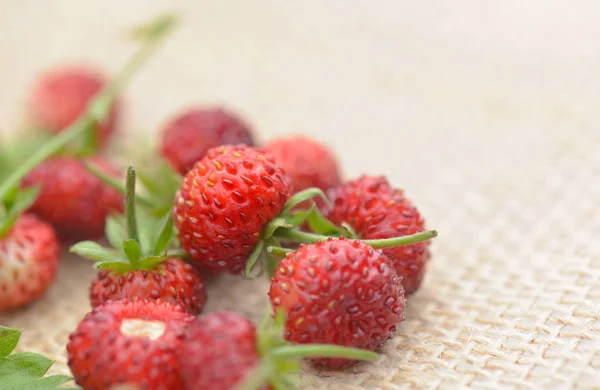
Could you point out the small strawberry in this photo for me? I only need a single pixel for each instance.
(223, 351)
(307, 162)
(29, 253)
(138, 265)
(61, 96)
(72, 199)
(340, 292)
(223, 204)
(188, 137)
(129, 342)
(376, 210)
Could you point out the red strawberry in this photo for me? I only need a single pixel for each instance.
(28, 262)
(224, 350)
(138, 264)
(73, 200)
(340, 292)
(223, 204)
(131, 342)
(307, 162)
(173, 281)
(218, 352)
(374, 209)
(61, 96)
(188, 137)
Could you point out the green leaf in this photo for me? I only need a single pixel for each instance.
(151, 262)
(49, 382)
(117, 266)
(8, 340)
(116, 232)
(298, 218)
(30, 363)
(94, 251)
(24, 199)
(132, 251)
(321, 225)
(165, 237)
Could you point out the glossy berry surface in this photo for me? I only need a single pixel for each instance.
(223, 204)
(72, 199)
(28, 262)
(173, 281)
(376, 210)
(188, 137)
(61, 95)
(131, 342)
(307, 162)
(218, 352)
(340, 292)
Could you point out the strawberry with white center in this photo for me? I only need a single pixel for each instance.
(130, 342)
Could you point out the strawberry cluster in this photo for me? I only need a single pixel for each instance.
(340, 255)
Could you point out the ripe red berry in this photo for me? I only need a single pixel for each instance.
(219, 350)
(188, 137)
(340, 292)
(133, 342)
(72, 199)
(223, 204)
(61, 95)
(307, 162)
(172, 281)
(374, 209)
(28, 262)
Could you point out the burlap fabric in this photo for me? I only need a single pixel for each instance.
(486, 113)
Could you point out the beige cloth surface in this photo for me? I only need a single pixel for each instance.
(485, 112)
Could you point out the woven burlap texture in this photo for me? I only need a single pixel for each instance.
(486, 115)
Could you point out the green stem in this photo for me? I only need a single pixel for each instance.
(132, 229)
(279, 251)
(96, 111)
(114, 183)
(255, 381)
(311, 238)
(323, 351)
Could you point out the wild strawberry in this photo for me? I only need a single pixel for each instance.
(376, 210)
(61, 96)
(72, 199)
(138, 265)
(340, 292)
(223, 350)
(29, 253)
(307, 162)
(188, 137)
(129, 341)
(223, 204)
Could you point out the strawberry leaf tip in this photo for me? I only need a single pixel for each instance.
(25, 370)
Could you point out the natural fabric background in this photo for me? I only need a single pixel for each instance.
(485, 112)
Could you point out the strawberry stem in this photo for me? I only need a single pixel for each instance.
(114, 183)
(97, 110)
(132, 228)
(311, 238)
(279, 251)
(322, 351)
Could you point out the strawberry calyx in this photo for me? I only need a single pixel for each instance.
(133, 247)
(14, 201)
(279, 359)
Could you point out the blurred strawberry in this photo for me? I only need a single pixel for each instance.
(188, 136)
(61, 95)
(72, 199)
